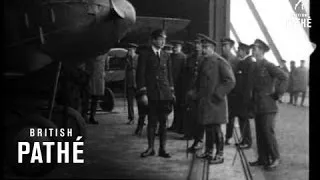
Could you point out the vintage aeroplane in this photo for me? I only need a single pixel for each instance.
(41, 37)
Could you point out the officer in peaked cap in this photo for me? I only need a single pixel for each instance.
(130, 79)
(132, 45)
(225, 41)
(159, 33)
(243, 106)
(261, 45)
(265, 95)
(244, 47)
(176, 42)
(168, 48)
(227, 45)
(178, 60)
(213, 111)
(206, 40)
(193, 127)
(155, 83)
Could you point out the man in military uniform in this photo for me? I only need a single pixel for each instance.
(154, 79)
(192, 127)
(130, 79)
(214, 82)
(96, 67)
(178, 60)
(301, 83)
(227, 45)
(243, 92)
(292, 78)
(265, 95)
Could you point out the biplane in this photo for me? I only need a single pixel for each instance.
(41, 38)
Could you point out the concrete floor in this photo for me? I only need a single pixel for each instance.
(112, 152)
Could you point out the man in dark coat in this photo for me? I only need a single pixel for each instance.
(265, 95)
(178, 59)
(192, 127)
(243, 91)
(292, 78)
(301, 83)
(227, 45)
(214, 82)
(130, 79)
(154, 79)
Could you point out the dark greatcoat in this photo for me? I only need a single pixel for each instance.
(292, 77)
(232, 96)
(243, 89)
(214, 82)
(178, 66)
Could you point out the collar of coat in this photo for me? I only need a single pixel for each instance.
(244, 58)
(155, 50)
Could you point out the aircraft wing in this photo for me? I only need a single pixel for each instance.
(145, 25)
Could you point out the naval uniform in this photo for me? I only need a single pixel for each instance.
(154, 77)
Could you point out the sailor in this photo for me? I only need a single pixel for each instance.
(154, 80)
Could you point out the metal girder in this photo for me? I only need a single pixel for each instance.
(219, 20)
(265, 31)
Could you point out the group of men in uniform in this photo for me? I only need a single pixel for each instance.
(207, 90)
(298, 83)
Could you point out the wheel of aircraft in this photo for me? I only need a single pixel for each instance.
(107, 103)
(21, 133)
(67, 117)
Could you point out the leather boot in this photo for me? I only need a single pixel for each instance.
(207, 154)
(151, 137)
(139, 129)
(220, 145)
(163, 139)
(218, 159)
(195, 146)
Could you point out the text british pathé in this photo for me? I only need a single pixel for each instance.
(62, 149)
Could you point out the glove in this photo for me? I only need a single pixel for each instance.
(275, 96)
(143, 100)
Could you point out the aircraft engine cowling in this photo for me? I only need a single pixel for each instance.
(71, 31)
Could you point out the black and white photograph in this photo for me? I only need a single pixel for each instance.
(157, 89)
